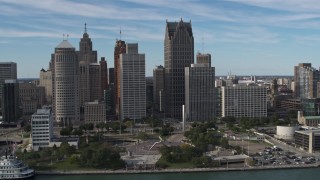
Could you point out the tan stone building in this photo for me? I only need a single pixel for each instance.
(46, 82)
(94, 112)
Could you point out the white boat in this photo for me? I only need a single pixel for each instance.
(12, 168)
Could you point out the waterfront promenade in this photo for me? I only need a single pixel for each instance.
(190, 170)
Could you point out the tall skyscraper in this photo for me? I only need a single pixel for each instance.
(200, 92)
(95, 81)
(10, 101)
(204, 58)
(132, 83)
(119, 48)
(8, 70)
(86, 57)
(306, 80)
(65, 84)
(158, 88)
(104, 76)
(111, 76)
(178, 54)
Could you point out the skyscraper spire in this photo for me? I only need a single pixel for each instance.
(120, 33)
(85, 27)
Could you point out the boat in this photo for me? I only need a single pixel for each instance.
(13, 168)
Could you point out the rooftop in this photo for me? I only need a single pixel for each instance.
(65, 44)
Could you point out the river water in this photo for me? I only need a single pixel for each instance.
(279, 174)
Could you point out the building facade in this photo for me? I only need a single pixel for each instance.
(41, 128)
(103, 76)
(200, 93)
(8, 70)
(158, 88)
(65, 84)
(132, 83)
(32, 97)
(46, 82)
(10, 101)
(178, 54)
(94, 112)
(308, 140)
(120, 47)
(306, 80)
(86, 56)
(95, 81)
(244, 101)
(204, 59)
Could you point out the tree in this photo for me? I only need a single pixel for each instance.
(224, 143)
(142, 136)
(27, 128)
(65, 132)
(77, 132)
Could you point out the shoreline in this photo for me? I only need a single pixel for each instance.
(160, 171)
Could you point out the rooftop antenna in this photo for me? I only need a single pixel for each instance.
(120, 33)
(85, 27)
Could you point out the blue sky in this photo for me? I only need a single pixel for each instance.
(246, 37)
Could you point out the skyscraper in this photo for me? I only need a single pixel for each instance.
(119, 48)
(158, 88)
(306, 80)
(178, 54)
(104, 76)
(65, 84)
(132, 83)
(95, 82)
(86, 57)
(204, 58)
(200, 92)
(8, 70)
(10, 102)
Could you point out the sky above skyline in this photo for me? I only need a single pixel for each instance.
(244, 37)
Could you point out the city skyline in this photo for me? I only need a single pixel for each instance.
(266, 37)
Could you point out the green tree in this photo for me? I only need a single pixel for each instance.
(27, 128)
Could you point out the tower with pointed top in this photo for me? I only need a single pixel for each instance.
(178, 54)
(88, 90)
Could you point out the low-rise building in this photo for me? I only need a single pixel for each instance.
(41, 128)
(94, 112)
(313, 121)
(308, 140)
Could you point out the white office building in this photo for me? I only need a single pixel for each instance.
(41, 128)
(132, 83)
(244, 101)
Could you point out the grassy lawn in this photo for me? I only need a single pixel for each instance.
(176, 165)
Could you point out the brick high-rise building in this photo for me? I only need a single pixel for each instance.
(178, 54)
(104, 76)
(119, 48)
